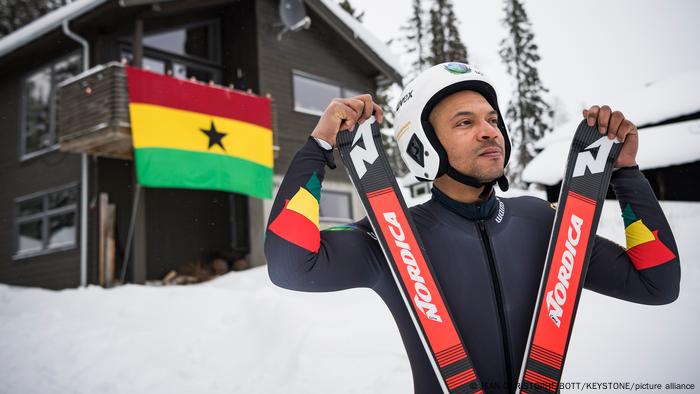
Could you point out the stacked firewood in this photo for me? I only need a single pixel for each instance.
(198, 271)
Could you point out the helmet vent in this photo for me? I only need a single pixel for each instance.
(415, 150)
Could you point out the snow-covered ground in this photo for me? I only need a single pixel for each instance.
(240, 334)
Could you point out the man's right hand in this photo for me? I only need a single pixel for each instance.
(343, 113)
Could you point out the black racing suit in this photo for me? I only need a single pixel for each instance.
(488, 259)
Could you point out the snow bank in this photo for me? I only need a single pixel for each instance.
(362, 33)
(659, 146)
(653, 103)
(241, 334)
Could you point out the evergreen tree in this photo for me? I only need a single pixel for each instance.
(414, 38)
(445, 42)
(17, 13)
(382, 98)
(384, 95)
(528, 115)
(345, 4)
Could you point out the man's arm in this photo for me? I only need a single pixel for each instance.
(299, 256)
(648, 270)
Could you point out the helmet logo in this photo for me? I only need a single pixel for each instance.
(457, 68)
(404, 99)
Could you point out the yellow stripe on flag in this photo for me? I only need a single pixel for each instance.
(305, 204)
(154, 126)
(637, 233)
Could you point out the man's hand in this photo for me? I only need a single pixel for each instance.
(343, 114)
(616, 126)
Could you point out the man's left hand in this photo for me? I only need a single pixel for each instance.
(616, 126)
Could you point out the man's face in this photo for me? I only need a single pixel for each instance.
(467, 126)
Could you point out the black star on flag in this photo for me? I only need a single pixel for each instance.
(215, 136)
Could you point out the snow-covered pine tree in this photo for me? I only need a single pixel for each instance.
(445, 42)
(414, 39)
(528, 115)
(345, 4)
(17, 13)
(382, 97)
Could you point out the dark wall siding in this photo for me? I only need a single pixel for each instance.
(672, 183)
(676, 183)
(184, 226)
(239, 52)
(18, 178)
(317, 51)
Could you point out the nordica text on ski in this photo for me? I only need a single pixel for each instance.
(423, 298)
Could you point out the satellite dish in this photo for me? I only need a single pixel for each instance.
(293, 15)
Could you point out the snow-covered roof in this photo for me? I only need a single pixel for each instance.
(45, 24)
(651, 104)
(659, 146)
(53, 20)
(362, 33)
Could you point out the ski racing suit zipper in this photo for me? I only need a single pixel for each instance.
(499, 300)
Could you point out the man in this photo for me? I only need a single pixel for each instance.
(488, 253)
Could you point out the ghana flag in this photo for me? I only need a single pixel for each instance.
(193, 136)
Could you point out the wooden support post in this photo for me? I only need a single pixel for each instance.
(137, 43)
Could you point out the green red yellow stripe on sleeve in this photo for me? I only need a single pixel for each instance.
(644, 247)
(298, 222)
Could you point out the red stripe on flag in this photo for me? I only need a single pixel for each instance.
(296, 228)
(152, 88)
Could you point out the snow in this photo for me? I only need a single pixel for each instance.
(659, 146)
(237, 334)
(46, 23)
(361, 32)
(653, 103)
(241, 334)
(667, 98)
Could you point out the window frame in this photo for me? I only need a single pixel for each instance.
(44, 217)
(23, 155)
(295, 72)
(214, 26)
(333, 219)
(212, 65)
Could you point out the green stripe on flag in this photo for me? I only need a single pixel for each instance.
(160, 167)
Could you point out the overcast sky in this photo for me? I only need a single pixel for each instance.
(592, 51)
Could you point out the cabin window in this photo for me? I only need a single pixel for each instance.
(335, 206)
(312, 94)
(184, 52)
(195, 41)
(39, 105)
(46, 221)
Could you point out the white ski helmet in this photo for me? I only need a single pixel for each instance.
(420, 148)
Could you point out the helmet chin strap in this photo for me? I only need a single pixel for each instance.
(502, 181)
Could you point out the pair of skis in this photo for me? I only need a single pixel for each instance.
(583, 190)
